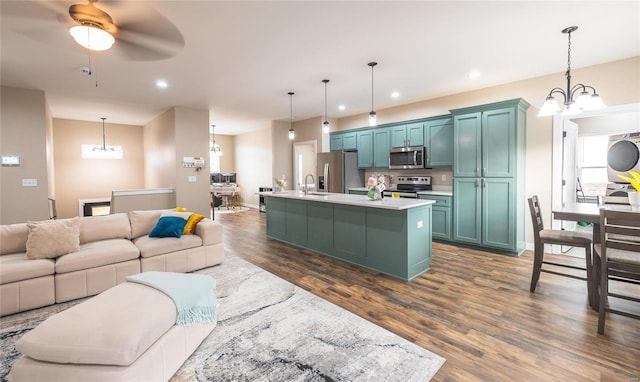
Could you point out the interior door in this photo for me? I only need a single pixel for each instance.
(569, 167)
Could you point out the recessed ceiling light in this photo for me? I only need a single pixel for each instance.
(162, 84)
(474, 74)
(395, 95)
(341, 107)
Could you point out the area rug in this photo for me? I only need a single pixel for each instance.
(270, 330)
(224, 210)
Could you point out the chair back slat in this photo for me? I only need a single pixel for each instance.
(619, 230)
(536, 216)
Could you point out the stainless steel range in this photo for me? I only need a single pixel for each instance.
(408, 186)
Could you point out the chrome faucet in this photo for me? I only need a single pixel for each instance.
(306, 185)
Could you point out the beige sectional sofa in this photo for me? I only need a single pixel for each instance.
(111, 247)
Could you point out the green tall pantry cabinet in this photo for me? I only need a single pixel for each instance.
(489, 175)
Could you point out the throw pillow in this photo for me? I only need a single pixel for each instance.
(50, 239)
(190, 227)
(168, 226)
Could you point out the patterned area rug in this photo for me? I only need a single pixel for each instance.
(270, 330)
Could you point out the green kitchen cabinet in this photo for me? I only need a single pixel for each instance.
(381, 146)
(343, 141)
(407, 135)
(365, 148)
(440, 216)
(438, 141)
(488, 176)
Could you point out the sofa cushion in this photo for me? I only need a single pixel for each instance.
(52, 238)
(113, 328)
(13, 238)
(153, 246)
(16, 267)
(168, 226)
(102, 227)
(142, 222)
(97, 254)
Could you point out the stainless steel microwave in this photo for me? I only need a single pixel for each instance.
(407, 158)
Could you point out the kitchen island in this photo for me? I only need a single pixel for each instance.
(392, 236)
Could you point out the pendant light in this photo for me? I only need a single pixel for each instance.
(572, 104)
(213, 146)
(325, 125)
(372, 115)
(292, 134)
(104, 145)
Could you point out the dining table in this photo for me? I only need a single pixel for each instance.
(589, 213)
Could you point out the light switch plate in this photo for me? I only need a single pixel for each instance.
(29, 182)
(192, 179)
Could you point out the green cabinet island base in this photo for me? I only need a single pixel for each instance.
(392, 236)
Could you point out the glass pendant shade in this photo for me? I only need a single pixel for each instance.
(373, 120)
(292, 134)
(326, 128)
(91, 37)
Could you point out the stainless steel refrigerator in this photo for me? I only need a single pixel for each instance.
(338, 171)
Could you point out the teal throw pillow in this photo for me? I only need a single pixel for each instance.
(168, 226)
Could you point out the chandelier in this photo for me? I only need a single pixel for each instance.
(576, 98)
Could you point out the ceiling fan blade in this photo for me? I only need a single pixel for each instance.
(146, 35)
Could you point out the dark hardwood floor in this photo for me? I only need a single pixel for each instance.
(473, 308)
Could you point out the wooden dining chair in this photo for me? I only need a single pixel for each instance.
(544, 236)
(618, 259)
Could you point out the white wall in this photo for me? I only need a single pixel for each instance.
(254, 160)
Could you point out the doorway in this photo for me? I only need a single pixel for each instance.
(304, 162)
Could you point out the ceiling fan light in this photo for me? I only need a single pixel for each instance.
(91, 37)
(550, 107)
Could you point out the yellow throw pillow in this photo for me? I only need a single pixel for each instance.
(181, 209)
(53, 238)
(190, 227)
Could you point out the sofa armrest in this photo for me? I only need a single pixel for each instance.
(209, 231)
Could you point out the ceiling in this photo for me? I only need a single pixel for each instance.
(239, 59)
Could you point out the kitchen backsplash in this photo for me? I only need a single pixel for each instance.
(439, 177)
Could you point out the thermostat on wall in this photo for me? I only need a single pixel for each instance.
(10, 160)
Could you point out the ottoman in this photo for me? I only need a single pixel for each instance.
(127, 333)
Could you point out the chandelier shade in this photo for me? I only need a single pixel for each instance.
(576, 98)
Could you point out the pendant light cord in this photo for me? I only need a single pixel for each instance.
(325, 99)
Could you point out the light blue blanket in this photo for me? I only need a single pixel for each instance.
(193, 294)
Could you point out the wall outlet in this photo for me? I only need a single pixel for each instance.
(192, 179)
(420, 224)
(29, 182)
(444, 177)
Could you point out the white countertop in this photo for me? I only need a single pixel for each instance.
(436, 192)
(353, 200)
(432, 192)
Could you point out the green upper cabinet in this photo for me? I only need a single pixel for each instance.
(407, 135)
(467, 145)
(343, 141)
(485, 143)
(438, 140)
(365, 148)
(381, 145)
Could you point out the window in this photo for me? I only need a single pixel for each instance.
(592, 163)
(215, 162)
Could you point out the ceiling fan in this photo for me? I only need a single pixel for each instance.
(136, 29)
(141, 32)
(96, 29)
